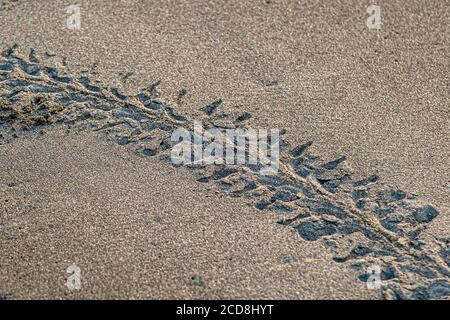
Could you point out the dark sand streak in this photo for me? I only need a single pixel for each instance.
(320, 201)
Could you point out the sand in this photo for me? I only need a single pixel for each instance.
(77, 199)
(378, 97)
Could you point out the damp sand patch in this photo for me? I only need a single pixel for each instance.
(317, 198)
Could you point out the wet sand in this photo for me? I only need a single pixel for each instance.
(141, 229)
(377, 97)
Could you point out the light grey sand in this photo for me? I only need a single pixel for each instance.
(378, 97)
(138, 228)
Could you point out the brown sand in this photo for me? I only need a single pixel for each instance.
(379, 97)
(141, 229)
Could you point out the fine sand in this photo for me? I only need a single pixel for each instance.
(139, 228)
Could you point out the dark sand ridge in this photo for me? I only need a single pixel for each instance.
(364, 222)
(315, 131)
(379, 97)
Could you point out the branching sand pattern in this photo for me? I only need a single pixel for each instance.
(319, 200)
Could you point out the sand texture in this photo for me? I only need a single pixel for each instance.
(86, 119)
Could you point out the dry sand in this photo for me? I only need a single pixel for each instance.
(314, 68)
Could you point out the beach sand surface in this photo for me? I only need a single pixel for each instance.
(139, 228)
